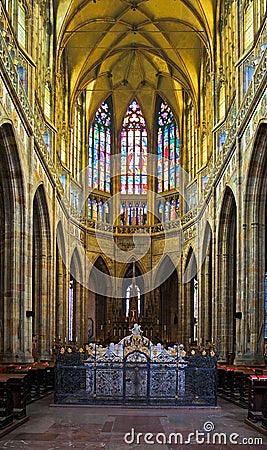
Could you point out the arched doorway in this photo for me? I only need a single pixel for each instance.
(98, 324)
(254, 333)
(61, 287)
(227, 277)
(206, 312)
(168, 314)
(76, 322)
(42, 319)
(14, 330)
(190, 309)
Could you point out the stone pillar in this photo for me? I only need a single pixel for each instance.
(256, 271)
(60, 298)
(187, 315)
(221, 316)
(44, 306)
(205, 318)
(242, 331)
(66, 309)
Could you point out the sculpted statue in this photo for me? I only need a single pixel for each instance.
(136, 329)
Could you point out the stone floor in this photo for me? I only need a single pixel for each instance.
(116, 428)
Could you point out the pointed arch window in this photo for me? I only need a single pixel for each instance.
(100, 148)
(134, 151)
(128, 296)
(168, 149)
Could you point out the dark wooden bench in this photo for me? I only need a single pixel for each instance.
(19, 386)
(257, 391)
(6, 405)
(233, 382)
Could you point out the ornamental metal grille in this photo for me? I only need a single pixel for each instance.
(135, 372)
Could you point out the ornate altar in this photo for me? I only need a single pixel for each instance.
(135, 372)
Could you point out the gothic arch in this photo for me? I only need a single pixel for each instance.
(227, 277)
(98, 304)
(42, 321)
(169, 309)
(76, 327)
(127, 282)
(256, 186)
(206, 310)
(12, 219)
(61, 315)
(256, 246)
(190, 309)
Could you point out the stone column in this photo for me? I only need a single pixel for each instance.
(221, 311)
(44, 306)
(60, 297)
(242, 332)
(256, 271)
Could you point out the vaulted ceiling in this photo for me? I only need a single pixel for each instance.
(135, 48)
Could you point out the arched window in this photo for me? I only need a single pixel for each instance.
(168, 149)
(129, 291)
(134, 151)
(133, 214)
(100, 148)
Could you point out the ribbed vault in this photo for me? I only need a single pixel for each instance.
(135, 48)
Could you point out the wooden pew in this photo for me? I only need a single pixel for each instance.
(40, 379)
(18, 386)
(233, 382)
(6, 416)
(257, 391)
(14, 388)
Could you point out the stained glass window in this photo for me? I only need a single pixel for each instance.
(100, 148)
(89, 208)
(128, 296)
(168, 209)
(134, 151)
(133, 213)
(168, 149)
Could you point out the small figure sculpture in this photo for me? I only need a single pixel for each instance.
(136, 329)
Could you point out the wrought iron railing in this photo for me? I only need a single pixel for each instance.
(135, 372)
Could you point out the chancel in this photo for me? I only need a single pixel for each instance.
(133, 161)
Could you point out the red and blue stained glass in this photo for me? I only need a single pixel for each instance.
(168, 150)
(100, 149)
(133, 152)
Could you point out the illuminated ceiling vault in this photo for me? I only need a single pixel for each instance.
(135, 48)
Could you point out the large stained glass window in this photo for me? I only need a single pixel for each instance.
(168, 149)
(134, 151)
(100, 148)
